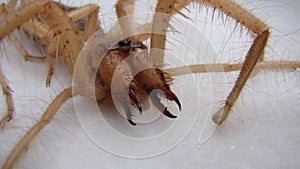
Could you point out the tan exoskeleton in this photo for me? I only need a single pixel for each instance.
(63, 39)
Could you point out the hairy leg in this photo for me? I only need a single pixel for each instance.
(240, 15)
(34, 130)
(7, 92)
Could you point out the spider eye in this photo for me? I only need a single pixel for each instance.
(125, 42)
(121, 43)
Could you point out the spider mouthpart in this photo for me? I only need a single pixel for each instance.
(168, 114)
(128, 114)
(178, 103)
(167, 91)
(171, 96)
(132, 122)
(156, 101)
(135, 99)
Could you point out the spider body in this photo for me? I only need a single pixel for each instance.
(61, 31)
(57, 39)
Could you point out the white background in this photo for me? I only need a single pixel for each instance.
(261, 132)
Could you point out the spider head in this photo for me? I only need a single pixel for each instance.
(149, 84)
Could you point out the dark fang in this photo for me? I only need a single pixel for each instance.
(135, 99)
(178, 103)
(131, 122)
(168, 114)
(156, 101)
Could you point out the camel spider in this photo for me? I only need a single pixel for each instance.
(157, 41)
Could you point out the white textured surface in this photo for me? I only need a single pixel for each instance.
(261, 132)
